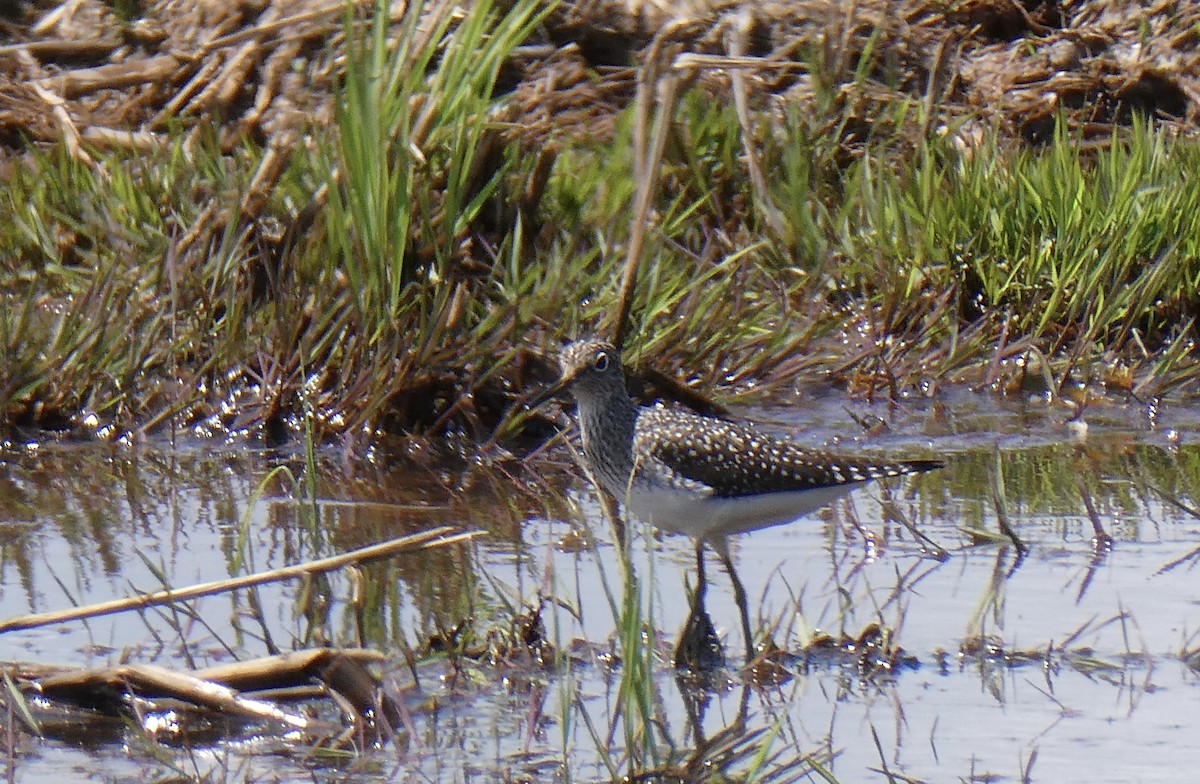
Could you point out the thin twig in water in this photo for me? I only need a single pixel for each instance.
(1000, 503)
(892, 511)
(436, 537)
(1100, 538)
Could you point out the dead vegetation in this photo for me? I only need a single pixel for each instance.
(92, 74)
(112, 82)
(221, 701)
(227, 699)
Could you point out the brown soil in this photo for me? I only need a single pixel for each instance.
(78, 73)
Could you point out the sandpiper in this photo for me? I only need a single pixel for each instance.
(700, 475)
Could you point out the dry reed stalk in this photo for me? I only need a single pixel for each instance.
(436, 537)
(655, 76)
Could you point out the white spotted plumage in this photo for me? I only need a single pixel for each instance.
(695, 474)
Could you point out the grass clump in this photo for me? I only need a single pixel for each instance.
(444, 245)
(116, 315)
(92, 316)
(899, 270)
(1069, 249)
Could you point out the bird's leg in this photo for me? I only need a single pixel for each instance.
(698, 647)
(739, 595)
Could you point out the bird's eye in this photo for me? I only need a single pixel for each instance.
(601, 363)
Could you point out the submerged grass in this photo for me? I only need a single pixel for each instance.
(444, 250)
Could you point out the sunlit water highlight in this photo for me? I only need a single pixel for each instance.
(83, 524)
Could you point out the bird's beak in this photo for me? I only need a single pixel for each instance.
(550, 392)
(545, 395)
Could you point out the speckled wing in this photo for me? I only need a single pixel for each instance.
(732, 460)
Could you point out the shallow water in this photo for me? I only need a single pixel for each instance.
(1080, 675)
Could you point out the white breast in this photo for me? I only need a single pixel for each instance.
(713, 518)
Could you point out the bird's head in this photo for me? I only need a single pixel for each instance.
(590, 369)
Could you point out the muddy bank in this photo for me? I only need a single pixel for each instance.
(84, 73)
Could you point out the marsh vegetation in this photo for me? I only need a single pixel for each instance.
(276, 277)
